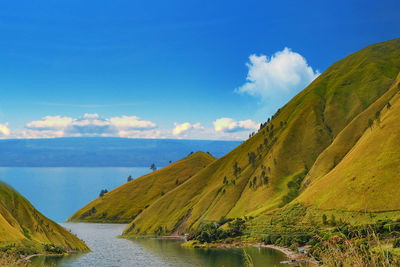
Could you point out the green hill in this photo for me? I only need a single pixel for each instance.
(124, 203)
(367, 178)
(24, 229)
(308, 152)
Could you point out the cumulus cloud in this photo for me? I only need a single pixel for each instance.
(229, 125)
(184, 128)
(90, 125)
(132, 122)
(285, 72)
(50, 123)
(4, 130)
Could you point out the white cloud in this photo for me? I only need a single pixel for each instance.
(185, 127)
(229, 125)
(286, 72)
(4, 130)
(90, 125)
(50, 123)
(131, 122)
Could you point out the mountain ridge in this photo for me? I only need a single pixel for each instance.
(275, 163)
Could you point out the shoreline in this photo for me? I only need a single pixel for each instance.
(28, 258)
(292, 256)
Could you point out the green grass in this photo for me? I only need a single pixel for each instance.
(324, 130)
(367, 178)
(124, 203)
(25, 230)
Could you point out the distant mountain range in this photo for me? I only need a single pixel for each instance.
(104, 151)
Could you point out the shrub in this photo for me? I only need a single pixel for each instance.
(396, 243)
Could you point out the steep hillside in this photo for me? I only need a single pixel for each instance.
(127, 201)
(302, 142)
(368, 176)
(24, 228)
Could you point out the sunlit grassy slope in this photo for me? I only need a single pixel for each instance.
(368, 177)
(21, 225)
(301, 149)
(127, 201)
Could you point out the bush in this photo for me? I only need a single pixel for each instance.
(53, 249)
(396, 243)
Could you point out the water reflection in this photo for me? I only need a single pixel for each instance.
(109, 250)
(171, 251)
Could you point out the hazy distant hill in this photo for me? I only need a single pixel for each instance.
(101, 151)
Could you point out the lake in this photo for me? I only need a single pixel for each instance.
(108, 250)
(58, 192)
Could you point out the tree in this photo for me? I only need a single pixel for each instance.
(370, 123)
(177, 182)
(103, 192)
(225, 180)
(129, 178)
(378, 116)
(333, 220)
(153, 167)
(252, 159)
(324, 219)
(236, 169)
(266, 180)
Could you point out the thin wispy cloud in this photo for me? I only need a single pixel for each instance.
(54, 104)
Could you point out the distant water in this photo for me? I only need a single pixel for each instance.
(108, 250)
(58, 192)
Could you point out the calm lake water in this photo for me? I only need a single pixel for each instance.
(58, 192)
(109, 250)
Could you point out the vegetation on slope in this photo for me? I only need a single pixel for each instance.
(298, 146)
(25, 230)
(124, 203)
(367, 178)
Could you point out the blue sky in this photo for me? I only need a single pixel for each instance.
(170, 69)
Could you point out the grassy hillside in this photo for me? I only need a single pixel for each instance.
(127, 201)
(23, 228)
(367, 178)
(304, 141)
